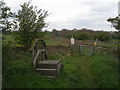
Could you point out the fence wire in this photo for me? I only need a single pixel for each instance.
(87, 50)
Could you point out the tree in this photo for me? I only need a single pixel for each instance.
(116, 24)
(104, 36)
(5, 18)
(55, 33)
(30, 21)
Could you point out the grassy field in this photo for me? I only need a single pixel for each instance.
(97, 71)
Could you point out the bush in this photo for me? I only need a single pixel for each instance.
(31, 21)
(104, 36)
(82, 36)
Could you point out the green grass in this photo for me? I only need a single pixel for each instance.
(112, 43)
(78, 72)
(105, 70)
(57, 41)
(97, 71)
(48, 42)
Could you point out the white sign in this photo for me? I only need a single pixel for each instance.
(72, 41)
(118, 8)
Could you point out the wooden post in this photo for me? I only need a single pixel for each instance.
(72, 41)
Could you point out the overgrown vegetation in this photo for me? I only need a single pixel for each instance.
(97, 71)
(78, 72)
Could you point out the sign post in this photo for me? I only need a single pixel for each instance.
(72, 41)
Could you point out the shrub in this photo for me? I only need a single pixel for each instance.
(82, 36)
(31, 21)
(104, 36)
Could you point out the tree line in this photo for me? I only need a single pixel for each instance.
(83, 34)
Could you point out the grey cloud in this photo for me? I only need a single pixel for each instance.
(75, 13)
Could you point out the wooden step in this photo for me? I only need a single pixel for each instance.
(42, 69)
(47, 72)
(50, 64)
(49, 67)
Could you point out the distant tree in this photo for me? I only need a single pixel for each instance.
(82, 35)
(64, 33)
(74, 29)
(30, 21)
(5, 18)
(55, 33)
(104, 36)
(114, 35)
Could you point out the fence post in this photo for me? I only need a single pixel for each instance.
(91, 50)
(94, 49)
(80, 49)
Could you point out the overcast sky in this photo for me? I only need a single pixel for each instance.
(70, 14)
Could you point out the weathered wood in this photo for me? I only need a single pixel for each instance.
(34, 61)
(36, 51)
(47, 72)
(58, 68)
(49, 62)
(49, 67)
(45, 67)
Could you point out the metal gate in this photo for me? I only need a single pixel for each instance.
(87, 50)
